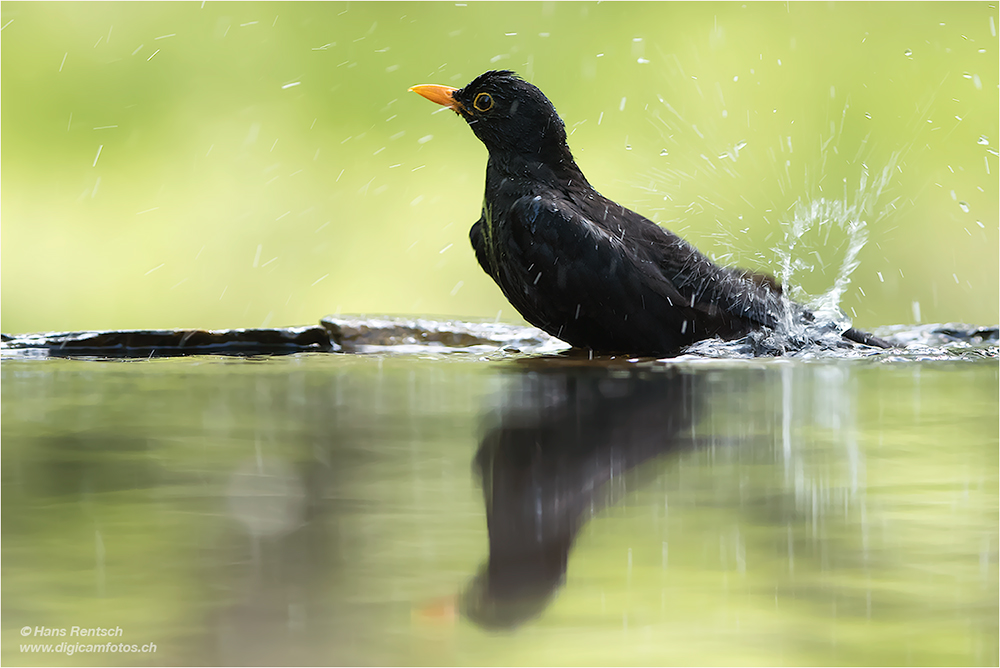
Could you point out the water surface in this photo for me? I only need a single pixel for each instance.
(444, 509)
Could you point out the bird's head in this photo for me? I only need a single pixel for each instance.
(508, 114)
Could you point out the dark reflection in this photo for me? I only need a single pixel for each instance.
(564, 440)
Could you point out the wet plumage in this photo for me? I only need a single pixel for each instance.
(580, 266)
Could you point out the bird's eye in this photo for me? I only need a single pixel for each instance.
(483, 102)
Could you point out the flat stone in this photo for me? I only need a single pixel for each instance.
(356, 334)
(940, 334)
(168, 342)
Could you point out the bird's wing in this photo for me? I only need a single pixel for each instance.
(561, 268)
(738, 294)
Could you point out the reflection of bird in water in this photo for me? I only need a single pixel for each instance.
(582, 267)
(552, 460)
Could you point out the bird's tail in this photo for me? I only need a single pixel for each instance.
(865, 338)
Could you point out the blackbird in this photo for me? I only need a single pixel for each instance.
(582, 267)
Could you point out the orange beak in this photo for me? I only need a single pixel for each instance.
(440, 94)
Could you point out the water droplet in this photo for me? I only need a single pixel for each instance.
(964, 206)
(908, 52)
(966, 75)
(628, 147)
(642, 61)
(736, 78)
(868, 116)
(741, 145)
(983, 140)
(664, 152)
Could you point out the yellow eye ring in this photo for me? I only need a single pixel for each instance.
(483, 102)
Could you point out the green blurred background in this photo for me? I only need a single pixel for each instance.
(250, 164)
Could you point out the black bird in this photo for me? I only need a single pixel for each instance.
(581, 267)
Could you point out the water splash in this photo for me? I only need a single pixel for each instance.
(822, 215)
(810, 242)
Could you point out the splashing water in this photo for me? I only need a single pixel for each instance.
(807, 243)
(823, 215)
